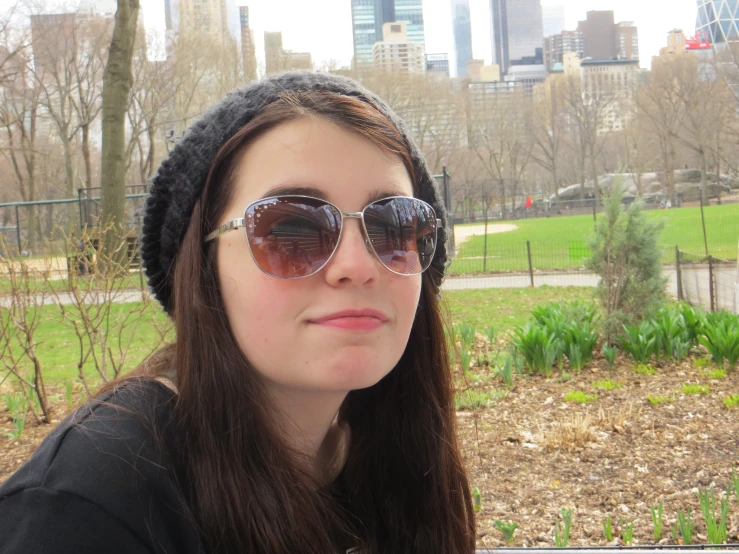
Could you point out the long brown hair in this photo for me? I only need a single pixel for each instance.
(403, 488)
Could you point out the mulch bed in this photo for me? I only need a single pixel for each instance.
(531, 453)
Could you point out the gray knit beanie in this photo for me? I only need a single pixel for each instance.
(182, 175)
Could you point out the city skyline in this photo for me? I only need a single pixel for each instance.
(654, 20)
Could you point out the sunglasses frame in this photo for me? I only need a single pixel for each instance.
(241, 222)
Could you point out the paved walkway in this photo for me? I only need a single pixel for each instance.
(695, 286)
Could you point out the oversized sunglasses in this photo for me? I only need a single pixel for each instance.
(295, 236)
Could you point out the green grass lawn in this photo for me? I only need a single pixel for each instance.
(134, 280)
(58, 345)
(561, 243)
(504, 309)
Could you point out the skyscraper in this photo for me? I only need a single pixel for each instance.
(556, 46)
(278, 59)
(248, 48)
(718, 21)
(411, 12)
(599, 34)
(396, 52)
(368, 17)
(517, 32)
(201, 17)
(462, 26)
(627, 41)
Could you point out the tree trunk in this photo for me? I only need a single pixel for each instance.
(68, 165)
(86, 154)
(504, 211)
(704, 180)
(117, 83)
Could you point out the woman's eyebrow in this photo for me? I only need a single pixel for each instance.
(292, 190)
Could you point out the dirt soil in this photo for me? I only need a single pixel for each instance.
(531, 453)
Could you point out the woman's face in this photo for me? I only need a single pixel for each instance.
(278, 322)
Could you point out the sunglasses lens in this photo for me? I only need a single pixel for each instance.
(292, 236)
(402, 232)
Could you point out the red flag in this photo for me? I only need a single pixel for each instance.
(529, 202)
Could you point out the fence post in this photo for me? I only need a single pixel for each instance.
(703, 222)
(485, 241)
(679, 275)
(711, 284)
(450, 212)
(531, 267)
(18, 228)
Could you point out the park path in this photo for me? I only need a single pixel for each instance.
(463, 233)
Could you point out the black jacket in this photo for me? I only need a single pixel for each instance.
(98, 484)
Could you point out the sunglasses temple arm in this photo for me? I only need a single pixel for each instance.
(225, 228)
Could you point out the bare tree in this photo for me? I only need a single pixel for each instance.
(19, 117)
(501, 136)
(588, 105)
(659, 107)
(550, 132)
(117, 81)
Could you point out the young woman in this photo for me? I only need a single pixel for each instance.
(296, 238)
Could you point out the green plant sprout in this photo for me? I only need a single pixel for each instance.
(562, 536)
(477, 499)
(627, 532)
(685, 525)
(715, 530)
(657, 520)
(507, 529)
(608, 528)
(609, 353)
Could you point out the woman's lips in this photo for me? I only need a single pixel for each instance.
(353, 323)
(353, 320)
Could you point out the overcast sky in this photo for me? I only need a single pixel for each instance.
(324, 27)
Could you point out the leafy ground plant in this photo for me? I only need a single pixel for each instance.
(721, 337)
(715, 530)
(607, 384)
(16, 404)
(735, 483)
(537, 347)
(644, 369)
(639, 341)
(702, 362)
(508, 529)
(627, 532)
(471, 399)
(715, 374)
(562, 532)
(506, 371)
(696, 389)
(609, 353)
(477, 499)
(467, 335)
(68, 389)
(580, 397)
(608, 528)
(731, 401)
(657, 520)
(656, 400)
(685, 526)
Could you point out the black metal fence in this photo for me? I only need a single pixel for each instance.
(39, 228)
(707, 281)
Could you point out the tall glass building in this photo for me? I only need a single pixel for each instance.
(517, 32)
(462, 25)
(411, 11)
(718, 20)
(368, 17)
